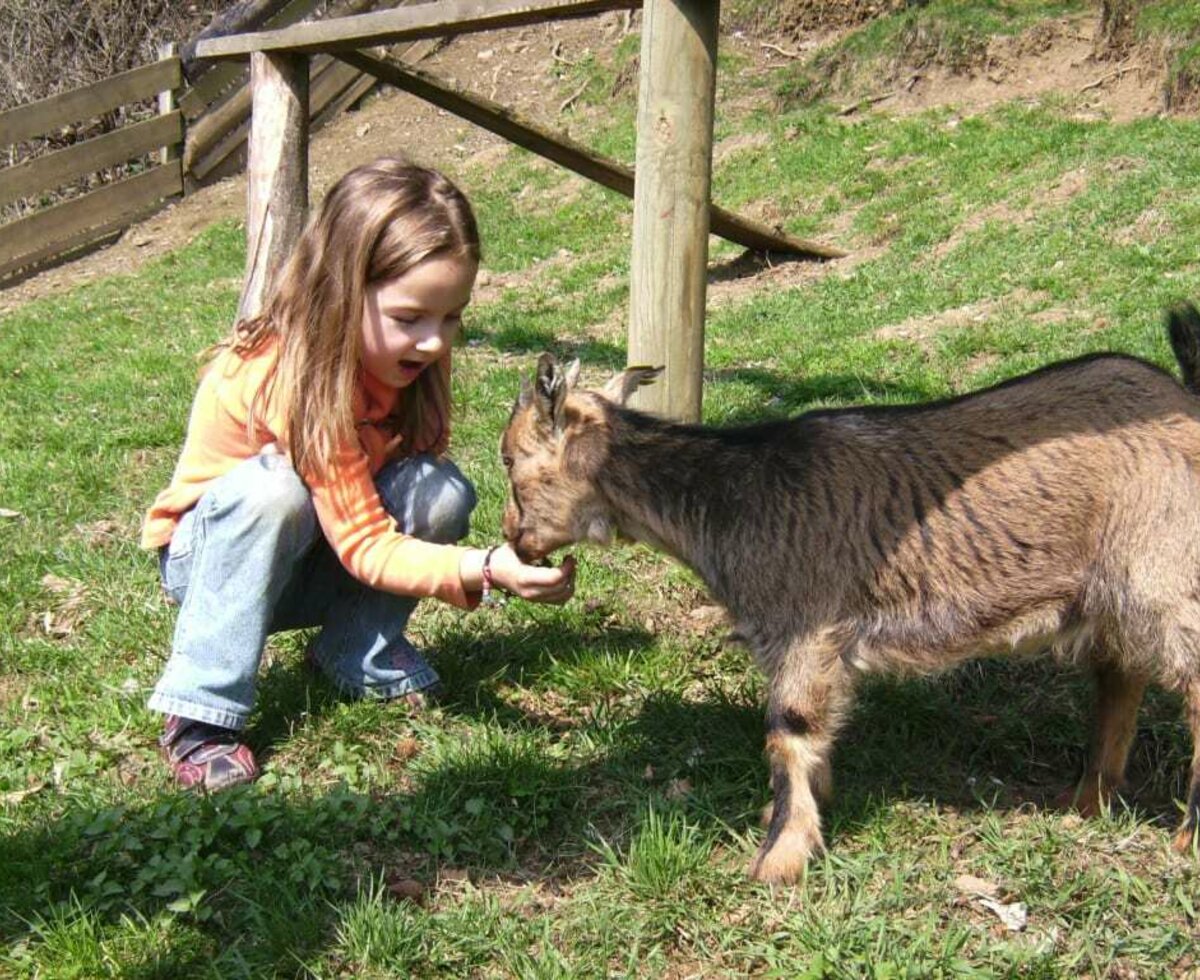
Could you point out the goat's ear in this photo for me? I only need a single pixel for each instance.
(525, 397)
(573, 374)
(550, 390)
(622, 385)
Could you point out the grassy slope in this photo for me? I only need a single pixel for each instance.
(584, 802)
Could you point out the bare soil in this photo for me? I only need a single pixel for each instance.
(524, 69)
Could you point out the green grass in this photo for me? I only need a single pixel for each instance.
(585, 801)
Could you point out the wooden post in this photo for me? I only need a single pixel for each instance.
(166, 104)
(677, 89)
(276, 168)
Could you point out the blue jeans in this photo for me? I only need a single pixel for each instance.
(250, 560)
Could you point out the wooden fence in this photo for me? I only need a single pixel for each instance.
(199, 136)
(98, 214)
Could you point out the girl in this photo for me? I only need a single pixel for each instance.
(311, 489)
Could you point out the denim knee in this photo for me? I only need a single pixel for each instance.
(267, 493)
(429, 498)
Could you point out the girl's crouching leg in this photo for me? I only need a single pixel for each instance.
(429, 498)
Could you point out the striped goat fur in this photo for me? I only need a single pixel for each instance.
(1058, 511)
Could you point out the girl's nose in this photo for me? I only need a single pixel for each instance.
(432, 342)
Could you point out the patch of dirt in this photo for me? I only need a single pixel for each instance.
(529, 70)
(1054, 58)
(1068, 185)
(923, 330)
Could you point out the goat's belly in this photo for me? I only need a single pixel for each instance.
(916, 650)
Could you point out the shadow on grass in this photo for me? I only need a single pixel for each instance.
(276, 867)
(791, 394)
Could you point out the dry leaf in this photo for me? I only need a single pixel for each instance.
(68, 613)
(1014, 915)
(406, 890)
(678, 788)
(970, 885)
(57, 584)
(17, 795)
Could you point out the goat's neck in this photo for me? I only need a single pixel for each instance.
(665, 483)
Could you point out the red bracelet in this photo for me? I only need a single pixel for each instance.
(489, 597)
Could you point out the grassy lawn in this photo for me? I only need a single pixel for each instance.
(586, 799)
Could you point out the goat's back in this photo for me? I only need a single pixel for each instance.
(1053, 506)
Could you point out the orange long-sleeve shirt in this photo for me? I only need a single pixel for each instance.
(347, 504)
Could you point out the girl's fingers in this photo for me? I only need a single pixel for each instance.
(548, 584)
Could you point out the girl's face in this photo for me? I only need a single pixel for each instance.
(409, 322)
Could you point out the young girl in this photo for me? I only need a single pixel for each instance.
(311, 489)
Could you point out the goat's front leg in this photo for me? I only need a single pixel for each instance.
(808, 698)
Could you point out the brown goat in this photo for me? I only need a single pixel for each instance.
(1057, 511)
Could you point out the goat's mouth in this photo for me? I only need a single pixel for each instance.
(531, 552)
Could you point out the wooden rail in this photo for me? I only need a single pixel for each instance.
(443, 19)
(47, 115)
(564, 151)
(96, 215)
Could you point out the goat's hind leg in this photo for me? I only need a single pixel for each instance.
(804, 711)
(1118, 697)
(1187, 838)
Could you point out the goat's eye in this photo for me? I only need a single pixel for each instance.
(507, 461)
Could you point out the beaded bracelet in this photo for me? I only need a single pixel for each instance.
(489, 596)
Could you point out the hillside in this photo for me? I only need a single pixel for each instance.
(538, 71)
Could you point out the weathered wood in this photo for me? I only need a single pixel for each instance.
(47, 115)
(567, 153)
(166, 106)
(68, 225)
(242, 16)
(55, 169)
(209, 88)
(223, 132)
(668, 265)
(277, 170)
(445, 18)
(360, 86)
(209, 85)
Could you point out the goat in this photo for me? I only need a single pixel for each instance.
(1058, 511)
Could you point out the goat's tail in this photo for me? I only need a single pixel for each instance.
(1183, 326)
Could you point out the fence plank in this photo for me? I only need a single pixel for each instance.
(47, 115)
(55, 169)
(69, 224)
(447, 17)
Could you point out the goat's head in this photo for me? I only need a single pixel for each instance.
(556, 442)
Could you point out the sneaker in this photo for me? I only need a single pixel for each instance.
(206, 756)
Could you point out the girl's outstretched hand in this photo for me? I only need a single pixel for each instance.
(537, 583)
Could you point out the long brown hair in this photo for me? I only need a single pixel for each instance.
(377, 222)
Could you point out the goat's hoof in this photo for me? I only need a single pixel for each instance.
(784, 862)
(1185, 841)
(768, 812)
(1087, 800)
